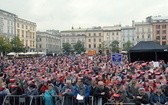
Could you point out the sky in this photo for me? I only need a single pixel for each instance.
(63, 14)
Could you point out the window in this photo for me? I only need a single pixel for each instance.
(113, 33)
(149, 36)
(164, 43)
(99, 34)
(17, 24)
(22, 26)
(99, 40)
(138, 37)
(26, 26)
(22, 33)
(157, 26)
(40, 46)
(158, 32)
(99, 45)
(18, 32)
(94, 45)
(94, 40)
(164, 37)
(89, 45)
(142, 36)
(164, 32)
(89, 34)
(117, 33)
(163, 26)
(157, 37)
(89, 40)
(94, 34)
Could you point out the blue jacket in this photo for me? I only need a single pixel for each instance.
(86, 90)
(154, 98)
(48, 97)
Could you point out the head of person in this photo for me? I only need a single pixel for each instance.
(50, 86)
(141, 91)
(68, 83)
(101, 84)
(158, 89)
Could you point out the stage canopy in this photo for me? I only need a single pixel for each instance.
(148, 51)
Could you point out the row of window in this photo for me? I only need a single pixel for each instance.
(94, 34)
(32, 43)
(28, 34)
(89, 40)
(159, 31)
(25, 26)
(94, 46)
(158, 37)
(159, 26)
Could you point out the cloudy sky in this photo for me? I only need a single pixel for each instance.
(63, 14)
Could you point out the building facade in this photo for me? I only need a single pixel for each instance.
(26, 31)
(94, 38)
(73, 36)
(112, 33)
(143, 31)
(128, 34)
(7, 24)
(160, 28)
(48, 43)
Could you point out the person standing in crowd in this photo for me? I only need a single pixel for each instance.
(158, 98)
(32, 90)
(68, 94)
(101, 93)
(83, 90)
(142, 97)
(49, 95)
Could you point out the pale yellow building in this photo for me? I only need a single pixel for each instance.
(112, 33)
(94, 38)
(26, 31)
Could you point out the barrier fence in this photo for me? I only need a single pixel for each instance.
(40, 100)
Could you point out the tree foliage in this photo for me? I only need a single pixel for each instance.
(5, 45)
(79, 47)
(127, 45)
(17, 45)
(114, 46)
(67, 47)
(103, 46)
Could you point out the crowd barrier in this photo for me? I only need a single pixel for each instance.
(40, 100)
(119, 104)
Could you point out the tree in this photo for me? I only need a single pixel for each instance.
(79, 47)
(5, 45)
(103, 46)
(127, 45)
(67, 47)
(17, 45)
(114, 46)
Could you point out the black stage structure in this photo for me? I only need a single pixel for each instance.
(148, 51)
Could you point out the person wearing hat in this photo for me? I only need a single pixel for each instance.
(142, 97)
(49, 95)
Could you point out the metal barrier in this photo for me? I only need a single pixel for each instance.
(70, 100)
(119, 104)
(17, 100)
(2, 97)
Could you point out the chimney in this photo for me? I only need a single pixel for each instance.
(133, 23)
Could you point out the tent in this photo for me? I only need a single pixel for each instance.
(11, 54)
(148, 51)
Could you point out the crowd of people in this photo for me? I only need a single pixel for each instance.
(70, 76)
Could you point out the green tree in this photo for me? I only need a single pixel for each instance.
(114, 46)
(79, 47)
(5, 45)
(127, 45)
(67, 47)
(103, 47)
(17, 45)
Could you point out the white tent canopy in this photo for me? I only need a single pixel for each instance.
(11, 53)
